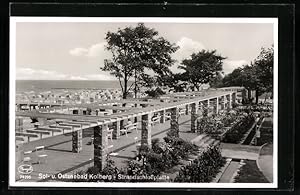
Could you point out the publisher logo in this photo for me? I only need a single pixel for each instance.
(25, 169)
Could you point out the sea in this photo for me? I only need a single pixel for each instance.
(48, 85)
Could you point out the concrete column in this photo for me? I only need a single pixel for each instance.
(208, 107)
(217, 105)
(100, 145)
(186, 109)
(230, 101)
(244, 94)
(146, 130)
(224, 103)
(174, 120)
(116, 130)
(162, 116)
(77, 141)
(194, 112)
(234, 97)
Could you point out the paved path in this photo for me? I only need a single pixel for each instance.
(265, 162)
(238, 151)
(61, 159)
(229, 172)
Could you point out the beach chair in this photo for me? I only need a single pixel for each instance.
(41, 155)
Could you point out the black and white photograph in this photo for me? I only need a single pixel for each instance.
(143, 102)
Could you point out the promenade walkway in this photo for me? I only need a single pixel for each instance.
(61, 159)
(265, 161)
(238, 151)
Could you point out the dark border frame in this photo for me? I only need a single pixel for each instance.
(286, 63)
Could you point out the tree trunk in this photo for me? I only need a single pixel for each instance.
(256, 96)
(249, 94)
(125, 88)
(135, 87)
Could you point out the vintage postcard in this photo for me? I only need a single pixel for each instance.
(143, 102)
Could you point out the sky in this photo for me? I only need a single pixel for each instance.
(75, 50)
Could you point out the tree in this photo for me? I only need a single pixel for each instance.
(257, 76)
(264, 70)
(133, 51)
(216, 81)
(201, 67)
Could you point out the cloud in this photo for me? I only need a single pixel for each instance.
(29, 73)
(99, 77)
(230, 65)
(93, 51)
(38, 74)
(78, 51)
(187, 46)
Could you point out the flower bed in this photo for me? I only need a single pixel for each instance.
(204, 168)
(216, 125)
(238, 130)
(149, 164)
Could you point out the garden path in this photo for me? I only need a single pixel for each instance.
(238, 151)
(265, 161)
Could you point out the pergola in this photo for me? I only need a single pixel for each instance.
(192, 102)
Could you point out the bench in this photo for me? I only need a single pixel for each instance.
(182, 112)
(40, 152)
(27, 159)
(155, 120)
(129, 128)
(168, 116)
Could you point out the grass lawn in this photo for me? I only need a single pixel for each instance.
(249, 173)
(266, 132)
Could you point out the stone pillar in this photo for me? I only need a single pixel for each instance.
(116, 130)
(186, 109)
(100, 147)
(230, 101)
(77, 141)
(146, 130)
(217, 106)
(208, 107)
(234, 97)
(244, 93)
(174, 120)
(224, 103)
(194, 111)
(163, 116)
(204, 108)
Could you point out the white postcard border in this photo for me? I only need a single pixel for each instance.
(12, 88)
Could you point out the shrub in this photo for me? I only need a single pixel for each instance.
(236, 133)
(204, 168)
